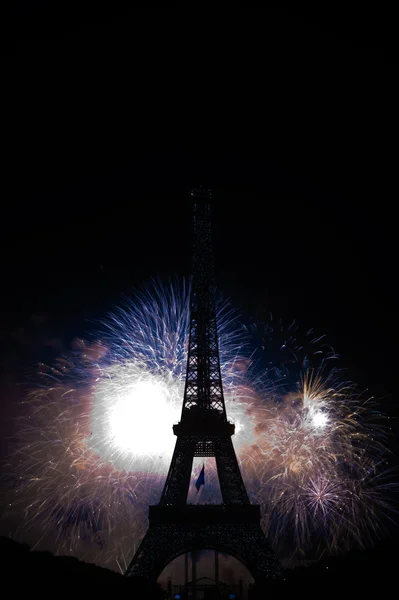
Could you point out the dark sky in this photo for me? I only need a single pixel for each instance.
(290, 118)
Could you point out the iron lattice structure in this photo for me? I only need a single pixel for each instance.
(234, 526)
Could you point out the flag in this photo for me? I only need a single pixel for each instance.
(201, 479)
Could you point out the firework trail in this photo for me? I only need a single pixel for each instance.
(96, 441)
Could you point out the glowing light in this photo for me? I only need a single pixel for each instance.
(319, 419)
(138, 419)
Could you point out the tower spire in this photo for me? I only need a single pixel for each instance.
(203, 388)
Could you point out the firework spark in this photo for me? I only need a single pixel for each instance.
(96, 441)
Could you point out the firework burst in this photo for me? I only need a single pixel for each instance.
(95, 443)
(319, 452)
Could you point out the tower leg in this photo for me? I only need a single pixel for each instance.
(230, 478)
(169, 588)
(177, 482)
(194, 573)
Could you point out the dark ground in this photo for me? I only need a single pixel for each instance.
(353, 574)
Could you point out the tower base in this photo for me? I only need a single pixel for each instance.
(164, 542)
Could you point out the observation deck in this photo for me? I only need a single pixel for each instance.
(203, 422)
(200, 514)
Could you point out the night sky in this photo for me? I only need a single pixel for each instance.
(111, 118)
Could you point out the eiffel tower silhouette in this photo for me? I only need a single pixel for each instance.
(176, 527)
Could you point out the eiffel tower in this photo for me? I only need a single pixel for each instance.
(176, 527)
